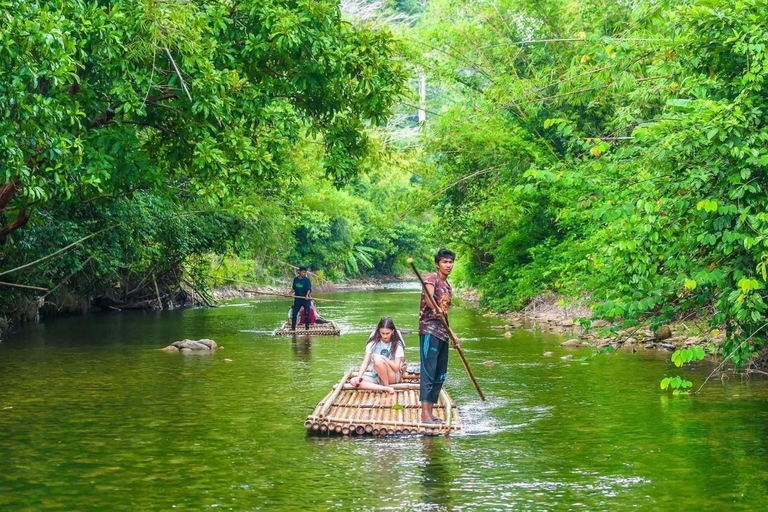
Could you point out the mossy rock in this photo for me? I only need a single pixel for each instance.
(662, 333)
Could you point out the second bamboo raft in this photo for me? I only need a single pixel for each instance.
(329, 329)
(346, 410)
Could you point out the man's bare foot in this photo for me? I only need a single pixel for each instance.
(390, 390)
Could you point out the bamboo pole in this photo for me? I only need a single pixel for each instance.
(291, 296)
(444, 321)
(447, 402)
(26, 287)
(335, 393)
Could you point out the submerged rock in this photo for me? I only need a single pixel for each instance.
(569, 357)
(549, 354)
(573, 342)
(507, 334)
(203, 345)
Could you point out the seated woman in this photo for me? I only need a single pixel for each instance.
(385, 351)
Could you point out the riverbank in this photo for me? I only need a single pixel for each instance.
(240, 291)
(552, 313)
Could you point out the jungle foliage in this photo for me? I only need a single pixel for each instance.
(612, 148)
(178, 130)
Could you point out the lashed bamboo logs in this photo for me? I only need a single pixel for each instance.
(353, 411)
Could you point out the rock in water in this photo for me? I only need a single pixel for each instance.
(208, 343)
(548, 354)
(204, 345)
(569, 357)
(507, 334)
(489, 364)
(227, 360)
(191, 345)
(573, 342)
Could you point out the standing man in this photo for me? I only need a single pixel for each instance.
(433, 336)
(301, 287)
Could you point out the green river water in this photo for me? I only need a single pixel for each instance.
(93, 417)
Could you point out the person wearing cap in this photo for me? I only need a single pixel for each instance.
(301, 291)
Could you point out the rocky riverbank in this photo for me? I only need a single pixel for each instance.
(552, 313)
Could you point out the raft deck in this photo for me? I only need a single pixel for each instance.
(329, 329)
(346, 410)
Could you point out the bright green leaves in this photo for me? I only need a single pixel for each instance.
(678, 385)
(748, 284)
(686, 355)
(690, 284)
(708, 205)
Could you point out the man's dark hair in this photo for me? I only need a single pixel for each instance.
(444, 253)
(303, 267)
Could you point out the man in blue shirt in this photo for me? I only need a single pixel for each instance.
(302, 287)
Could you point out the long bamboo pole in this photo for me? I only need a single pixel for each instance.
(335, 393)
(290, 296)
(441, 315)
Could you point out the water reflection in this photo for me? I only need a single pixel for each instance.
(302, 348)
(438, 471)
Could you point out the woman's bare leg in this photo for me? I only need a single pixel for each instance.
(366, 384)
(386, 373)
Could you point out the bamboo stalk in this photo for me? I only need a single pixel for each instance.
(447, 402)
(292, 296)
(26, 287)
(335, 393)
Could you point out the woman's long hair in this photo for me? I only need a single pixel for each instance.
(396, 339)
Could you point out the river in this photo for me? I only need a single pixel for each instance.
(93, 417)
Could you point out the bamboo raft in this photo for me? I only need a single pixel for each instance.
(346, 410)
(329, 329)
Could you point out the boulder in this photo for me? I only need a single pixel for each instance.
(567, 323)
(662, 333)
(573, 342)
(186, 350)
(208, 343)
(192, 344)
(170, 348)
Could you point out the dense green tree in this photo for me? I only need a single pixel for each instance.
(615, 149)
(192, 99)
